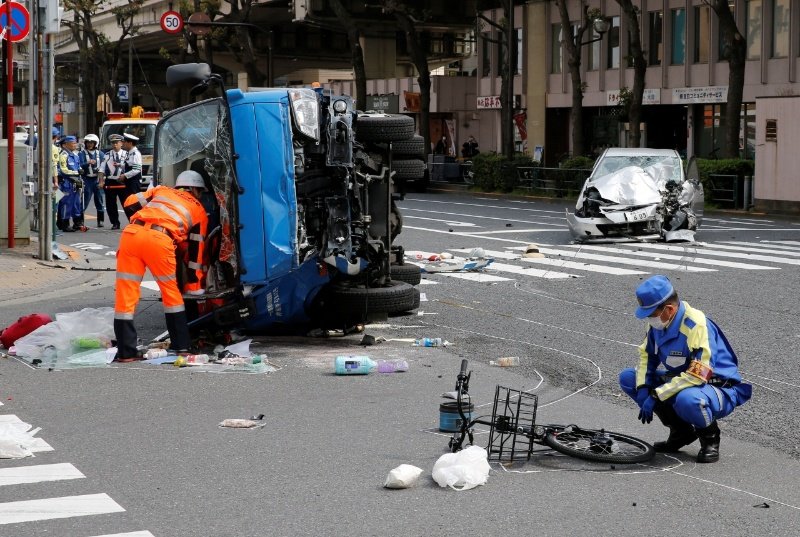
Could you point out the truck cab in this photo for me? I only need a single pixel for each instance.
(143, 127)
(301, 210)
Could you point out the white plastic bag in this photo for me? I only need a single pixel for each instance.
(59, 335)
(463, 470)
(403, 477)
(16, 440)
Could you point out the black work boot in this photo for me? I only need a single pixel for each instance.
(709, 443)
(178, 329)
(680, 433)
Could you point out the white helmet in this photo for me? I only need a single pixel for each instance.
(91, 138)
(190, 178)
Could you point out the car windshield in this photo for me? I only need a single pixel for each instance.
(146, 132)
(199, 138)
(661, 167)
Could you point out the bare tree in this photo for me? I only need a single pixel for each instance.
(99, 59)
(636, 52)
(408, 19)
(354, 36)
(735, 50)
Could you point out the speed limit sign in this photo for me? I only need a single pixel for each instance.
(172, 22)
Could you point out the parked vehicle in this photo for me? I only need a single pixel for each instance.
(143, 128)
(300, 203)
(639, 194)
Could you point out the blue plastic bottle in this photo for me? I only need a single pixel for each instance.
(353, 365)
(429, 342)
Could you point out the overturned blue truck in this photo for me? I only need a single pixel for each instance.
(301, 205)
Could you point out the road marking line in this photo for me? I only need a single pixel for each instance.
(39, 473)
(424, 281)
(525, 271)
(130, 534)
(744, 248)
(709, 251)
(405, 209)
(781, 247)
(453, 223)
(455, 203)
(575, 254)
(509, 231)
(687, 258)
(63, 507)
(793, 243)
(474, 276)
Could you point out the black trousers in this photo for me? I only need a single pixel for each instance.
(111, 203)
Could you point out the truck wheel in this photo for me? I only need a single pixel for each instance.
(408, 273)
(383, 128)
(414, 306)
(408, 169)
(358, 301)
(413, 147)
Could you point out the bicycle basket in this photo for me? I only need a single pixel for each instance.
(513, 421)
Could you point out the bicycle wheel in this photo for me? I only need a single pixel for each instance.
(598, 446)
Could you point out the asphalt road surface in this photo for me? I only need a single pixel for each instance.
(139, 453)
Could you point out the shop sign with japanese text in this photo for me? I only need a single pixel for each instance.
(713, 94)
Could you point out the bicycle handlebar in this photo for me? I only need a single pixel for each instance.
(464, 366)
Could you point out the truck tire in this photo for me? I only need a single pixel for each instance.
(383, 128)
(413, 147)
(348, 302)
(408, 273)
(408, 169)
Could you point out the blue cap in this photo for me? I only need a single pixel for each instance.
(69, 139)
(653, 292)
(56, 132)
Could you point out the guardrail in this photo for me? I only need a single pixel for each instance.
(556, 182)
(731, 191)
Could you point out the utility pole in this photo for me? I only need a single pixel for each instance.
(130, 74)
(511, 47)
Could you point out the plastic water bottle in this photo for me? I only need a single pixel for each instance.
(392, 366)
(429, 342)
(508, 361)
(155, 353)
(353, 365)
(195, 359)
(90, 342)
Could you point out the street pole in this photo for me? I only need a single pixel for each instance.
(45, 135)
(511, 43)
(9, 48)
(130, 74)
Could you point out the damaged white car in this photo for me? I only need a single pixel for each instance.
(639, 194)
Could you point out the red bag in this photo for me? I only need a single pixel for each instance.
(23, 327)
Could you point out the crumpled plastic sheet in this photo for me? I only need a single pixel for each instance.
(55, 343)
(17, 439)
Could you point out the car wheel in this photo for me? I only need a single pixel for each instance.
(408, 273)
(383, 128)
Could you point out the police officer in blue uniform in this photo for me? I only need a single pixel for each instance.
(687, 374)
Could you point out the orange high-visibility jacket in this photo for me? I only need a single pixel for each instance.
(184, 219)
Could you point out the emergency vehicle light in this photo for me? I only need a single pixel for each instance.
(115, 115)
(152, 115)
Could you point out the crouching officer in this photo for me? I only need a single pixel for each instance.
(162, 219)
(687, 374)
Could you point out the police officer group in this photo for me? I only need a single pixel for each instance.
(87, 173)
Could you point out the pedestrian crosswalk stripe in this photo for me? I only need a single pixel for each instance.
(526, 271)
(708, 251)
(793, 243)
(62, 507)
(37, 444)
(687, 258)
(578, 254)
(560, 263)
(781, 247)
(129, 534)
(559, 223)
(474, 276)
(38, 473)
(743, 247)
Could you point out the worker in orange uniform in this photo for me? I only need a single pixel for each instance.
(163, 219)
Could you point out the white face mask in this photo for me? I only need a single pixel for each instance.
(656, 322)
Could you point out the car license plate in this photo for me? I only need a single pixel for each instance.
(636, 216)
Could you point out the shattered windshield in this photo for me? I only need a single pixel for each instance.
(199, 138)
(662, 168)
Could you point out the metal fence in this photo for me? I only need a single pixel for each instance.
(731, 191)
(555, 182)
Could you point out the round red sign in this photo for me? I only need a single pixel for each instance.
(172, 22)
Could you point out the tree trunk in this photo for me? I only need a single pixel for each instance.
(571, 44)
(356, 52)
(639, 70)
(736, 52)
(420, 59)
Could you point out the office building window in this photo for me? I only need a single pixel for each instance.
(678, 36)
(702, 33)
(780, 29)
(655, 51)
(486, 58)
(593, 54)
(555, 46)
(753, 29)
(612, 62)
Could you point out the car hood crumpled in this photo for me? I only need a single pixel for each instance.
(628, 186)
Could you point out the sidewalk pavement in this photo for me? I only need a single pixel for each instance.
(23, 274)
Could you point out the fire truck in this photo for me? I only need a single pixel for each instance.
(140, 124)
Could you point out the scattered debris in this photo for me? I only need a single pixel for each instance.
(463, 470)
(403, 477)
(506, 361)
(239, 423)
(17, 440)
(532, 251)
(431, 342)
(764, 505)
(368, 340)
